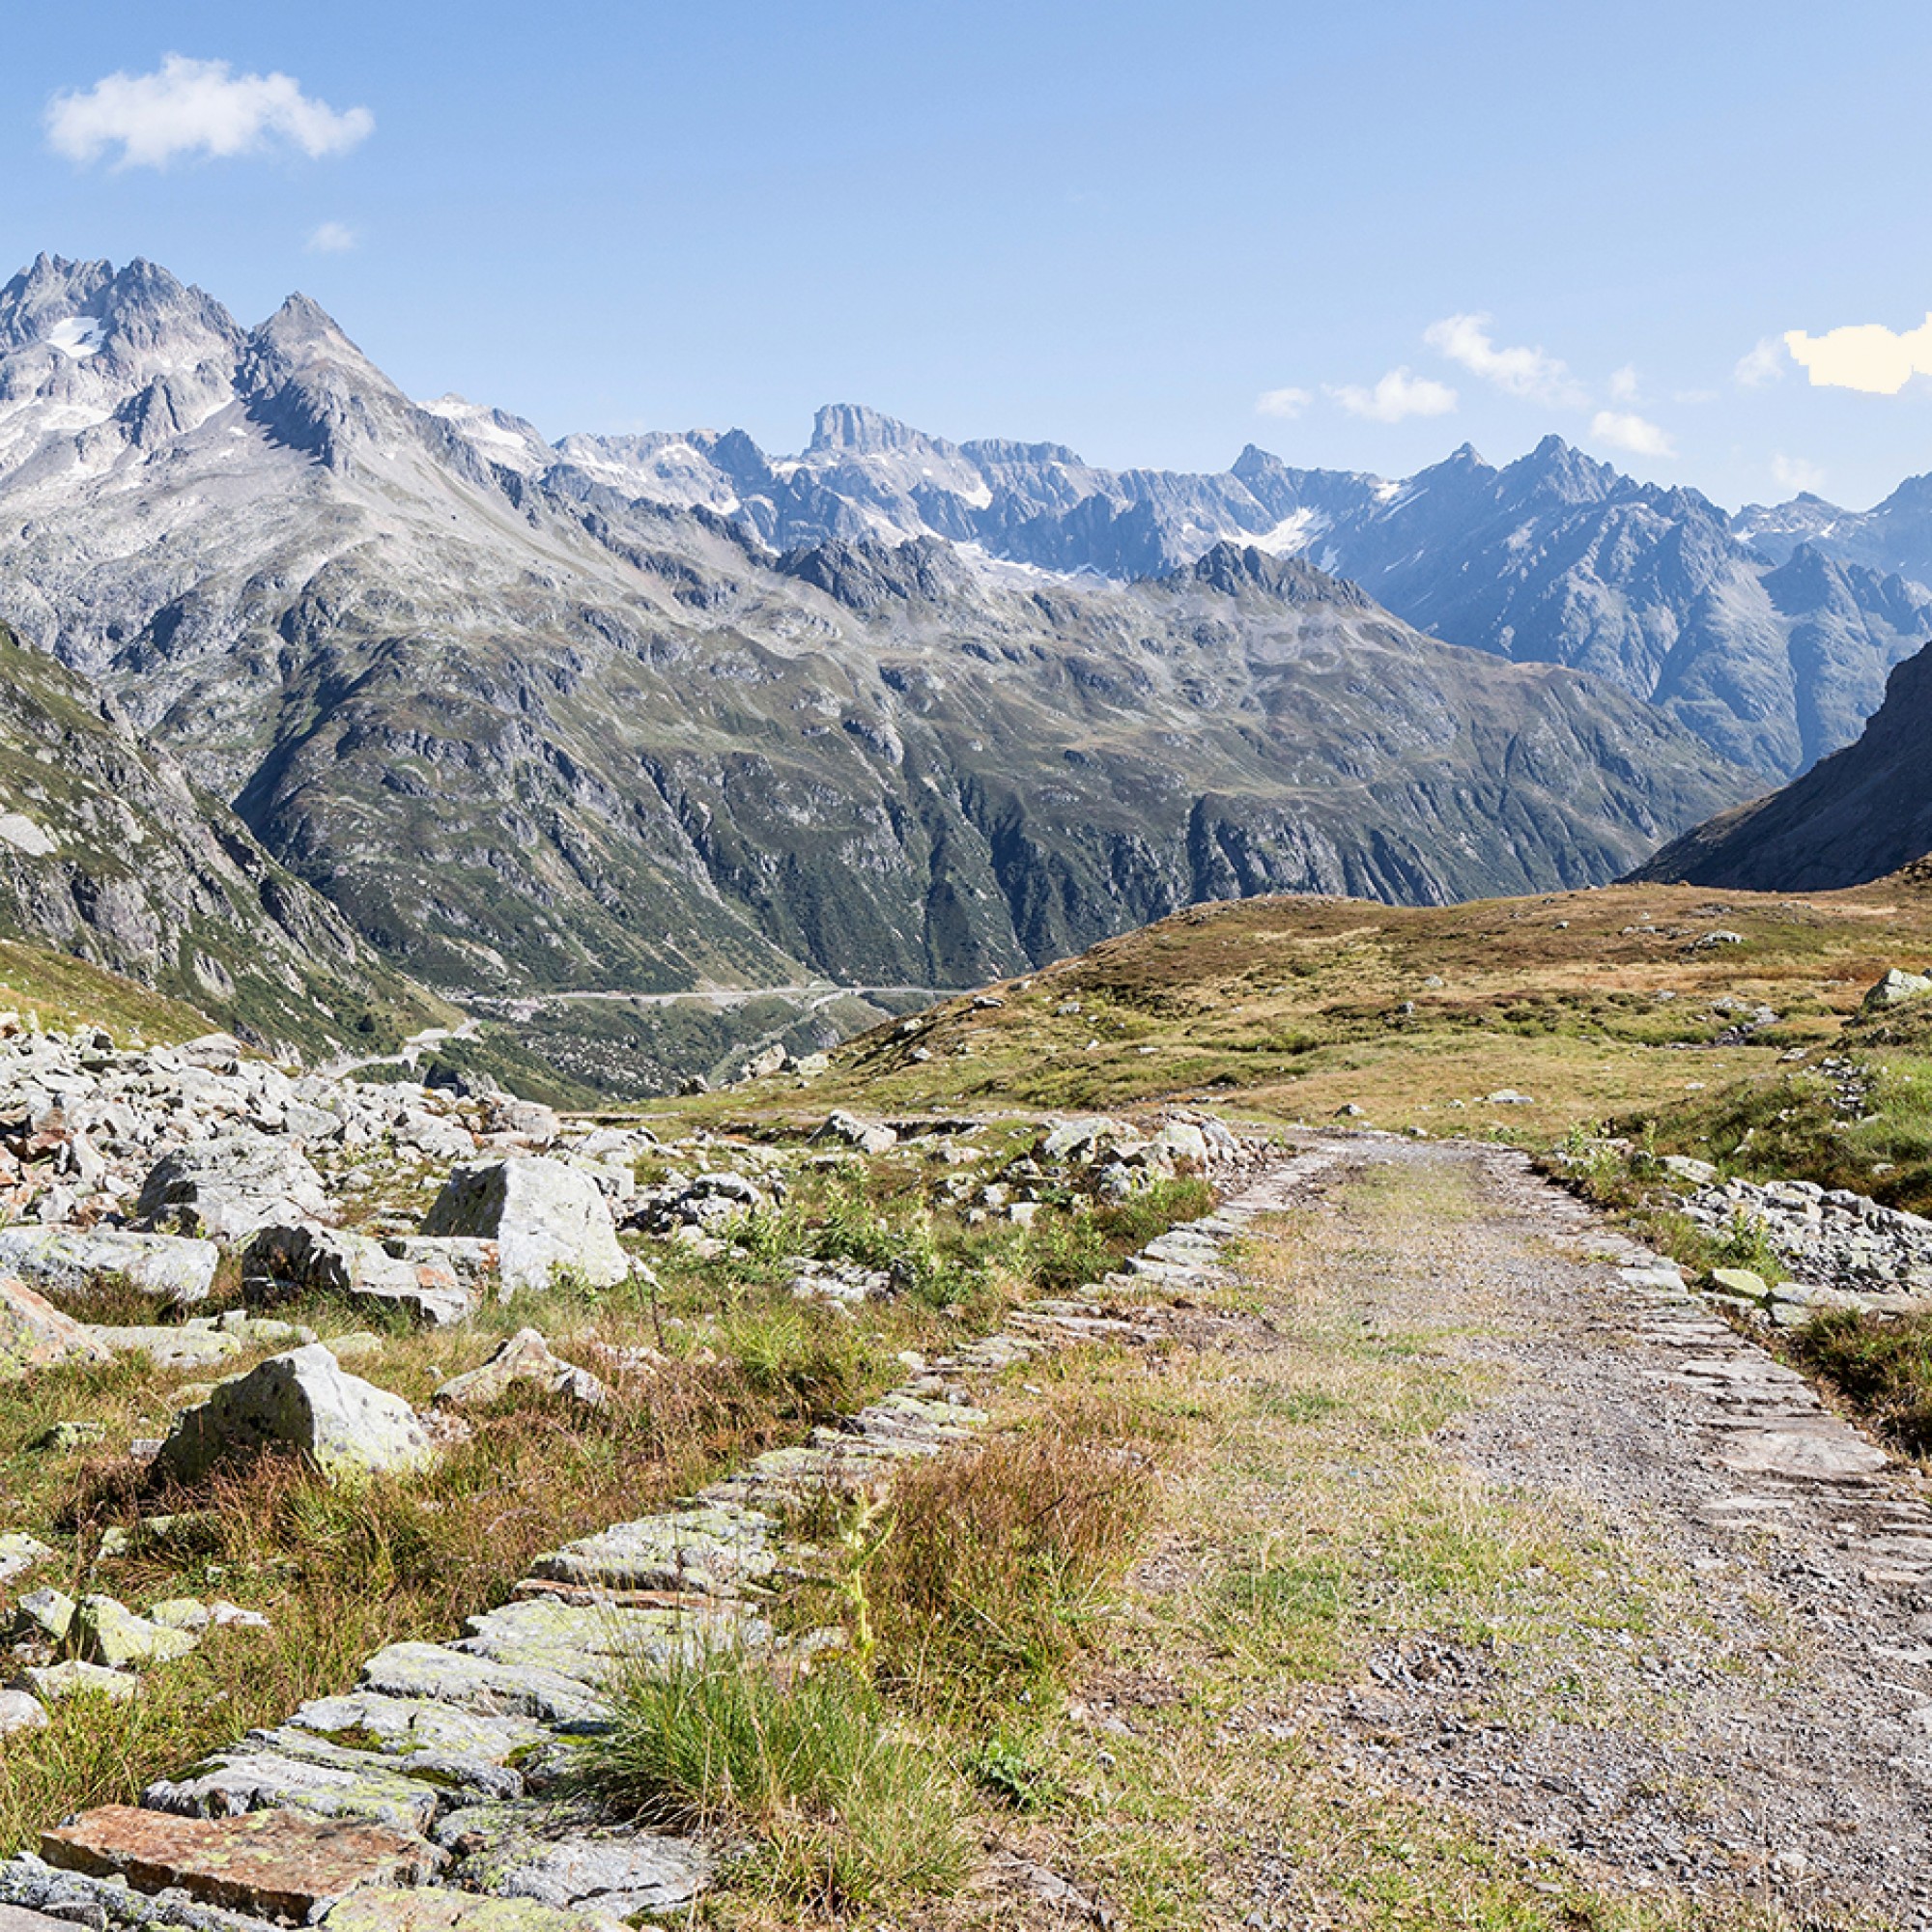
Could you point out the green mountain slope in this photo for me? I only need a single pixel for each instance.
(110, 854)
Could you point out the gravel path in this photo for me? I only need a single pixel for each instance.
(1774, 1740)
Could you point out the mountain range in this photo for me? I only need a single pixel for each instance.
(1768, 635)
(643, 715)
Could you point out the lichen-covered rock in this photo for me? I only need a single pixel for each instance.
(426, 1908)
(561, 1857)
(292, 1258)
(107, 1633)
(34, 1334)
(867, 1136)
(302, 1400)
(1897, 985)
(46, 1612)
(78, 1679)
(479, 1684)
(20, 1711)
(18, 1553)
(188, 1346)
(74, 1260)
(542, 1214)
(403, 1725)
(226, 1189)
(524, 1361)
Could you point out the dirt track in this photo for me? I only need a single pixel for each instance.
(1773, 1738)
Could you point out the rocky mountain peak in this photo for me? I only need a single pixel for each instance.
(1556, 471)
(1232, 568)
(302, 324)
(852, 429)
(138, 316)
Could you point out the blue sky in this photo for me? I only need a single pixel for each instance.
(1117, 226)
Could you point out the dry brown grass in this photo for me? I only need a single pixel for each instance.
(1292, 1007)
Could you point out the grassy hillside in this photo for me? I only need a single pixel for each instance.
(1644, 1005)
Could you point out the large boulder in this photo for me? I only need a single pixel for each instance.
(34, 1334)
(226, 1189)
(303, 1401)
(542, 1216)
(1897, 986)
(290, 1259)
(867, 1136)
(72, 1261)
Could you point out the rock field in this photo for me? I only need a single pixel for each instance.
(397, 1804)
(182, 1171)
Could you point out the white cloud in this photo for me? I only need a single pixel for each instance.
(1520, 372)
(1622, 430)
(1624, 384)
(196, 107)
(332, 238)
(1794, 473)
(1397, 395)
(1283, 402)
(1867, 355)
(1762, 364)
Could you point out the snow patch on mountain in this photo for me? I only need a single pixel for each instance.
(79, 336)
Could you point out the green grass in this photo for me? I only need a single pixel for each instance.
(735, 1365)
(1881, 1364)
(845, 1806)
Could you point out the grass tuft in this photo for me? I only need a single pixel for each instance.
(999, 1559)
(1881, 1364)
(847, 1806)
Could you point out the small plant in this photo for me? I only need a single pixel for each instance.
(847, 1808)
(1000, 1558)
(1006, 1768)
(1746, 1244)
(1882, 1364)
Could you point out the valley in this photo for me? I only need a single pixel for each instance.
(919, 1185)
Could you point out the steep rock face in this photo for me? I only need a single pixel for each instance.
(1858, 815)
(108, 852)
(532, 731)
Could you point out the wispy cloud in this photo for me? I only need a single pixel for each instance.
(1529, 373)
(1397, 395)
(1625, 386)
(1865, 356)
(197, 108)
(1794, 473)
(1762, 364)
(1623, 430)
(330, 237)
(1283, 402)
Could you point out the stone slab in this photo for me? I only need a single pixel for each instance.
(275, 1862)
(432, 1909)
(1820, 1455)
(478, 1683)
(17, 1918)
(236, 1783)
(406, 1726)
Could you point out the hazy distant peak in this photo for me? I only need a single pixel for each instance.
(852, 427)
